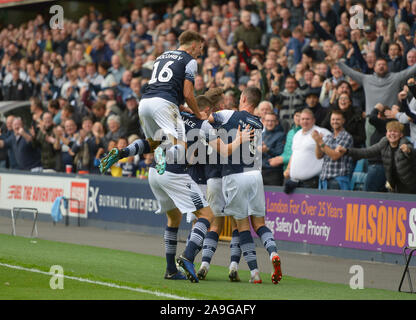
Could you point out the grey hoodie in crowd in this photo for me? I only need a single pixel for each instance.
(377, 89)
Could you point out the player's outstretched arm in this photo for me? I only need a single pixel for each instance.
(188, 93)
(226, 150)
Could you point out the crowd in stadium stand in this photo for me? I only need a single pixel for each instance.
(84, 82)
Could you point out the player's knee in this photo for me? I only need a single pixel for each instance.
(243, 225)
(174, 218)
(257, 223)
(215, 228)
(205, 213)
(217, 224)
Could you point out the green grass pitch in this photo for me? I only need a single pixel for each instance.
(123, 270)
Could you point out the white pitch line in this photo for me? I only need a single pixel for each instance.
(106, 284)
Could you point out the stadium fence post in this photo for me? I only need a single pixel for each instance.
(407, 258)
(67, 210)
(14, 214)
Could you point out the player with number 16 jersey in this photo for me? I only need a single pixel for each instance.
(169, 72)
(170, 86)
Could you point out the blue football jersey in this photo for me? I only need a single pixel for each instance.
(214, 168)
(246, 157)
(199, 133)
(169, 72)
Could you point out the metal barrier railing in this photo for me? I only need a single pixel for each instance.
(227, 230)
(408, 254)
(17, 210)
(67, 210)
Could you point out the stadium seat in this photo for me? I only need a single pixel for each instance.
(359, 175)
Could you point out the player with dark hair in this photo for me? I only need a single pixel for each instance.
(243, 184)
(215, 198)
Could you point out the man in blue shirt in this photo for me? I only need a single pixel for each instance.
(273, 144)
(295, 45)
(101, 52)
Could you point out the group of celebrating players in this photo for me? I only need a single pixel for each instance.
(223, 165)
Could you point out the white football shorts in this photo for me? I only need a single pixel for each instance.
(190, 216)
(244, 195)
(159, 117)
(174, 190)
(215, 196)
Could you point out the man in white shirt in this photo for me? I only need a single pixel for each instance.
(304, 168)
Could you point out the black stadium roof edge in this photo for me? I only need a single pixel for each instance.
(15, 3)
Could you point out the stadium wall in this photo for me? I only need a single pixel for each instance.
(19, 12)
(354, 225)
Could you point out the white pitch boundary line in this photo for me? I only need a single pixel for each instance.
(106, 284)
